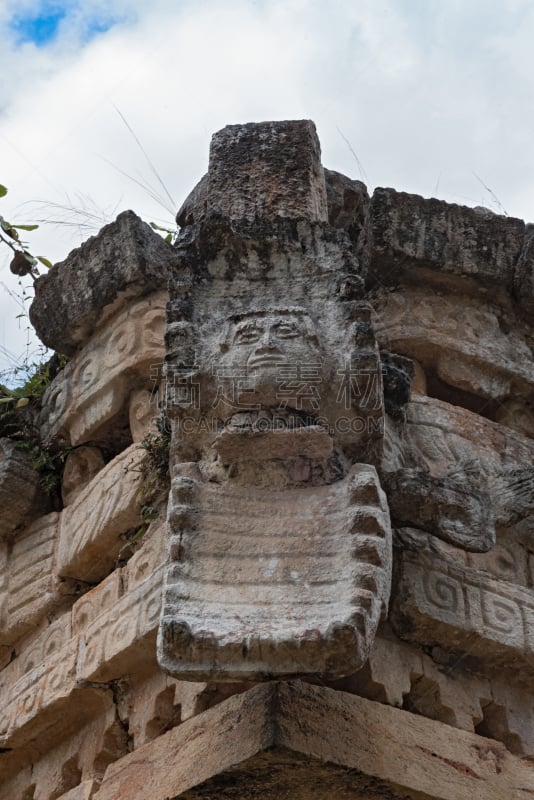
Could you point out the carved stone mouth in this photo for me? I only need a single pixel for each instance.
(267, 361)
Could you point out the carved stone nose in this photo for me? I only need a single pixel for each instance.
(267, 340)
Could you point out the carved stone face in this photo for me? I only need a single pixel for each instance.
(263, 350)
(264, 342)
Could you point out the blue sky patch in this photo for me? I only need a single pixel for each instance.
(41, 25)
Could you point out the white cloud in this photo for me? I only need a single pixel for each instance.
(426, 94)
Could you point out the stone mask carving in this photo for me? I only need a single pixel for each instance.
(279, 541)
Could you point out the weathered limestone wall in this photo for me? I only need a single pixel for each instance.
(402, 665)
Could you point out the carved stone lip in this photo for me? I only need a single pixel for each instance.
(273, 360)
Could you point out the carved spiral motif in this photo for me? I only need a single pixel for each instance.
(442, 591)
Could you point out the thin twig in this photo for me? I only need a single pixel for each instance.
(149, 162)
(493, 195)
(360, 167)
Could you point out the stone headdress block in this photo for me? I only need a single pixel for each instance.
(267, 170)
(124, 261)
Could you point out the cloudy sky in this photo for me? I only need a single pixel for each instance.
(427, 96)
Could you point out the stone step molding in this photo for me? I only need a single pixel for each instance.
(108, 632)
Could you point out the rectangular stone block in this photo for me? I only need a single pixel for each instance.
(125, 260)
(125, 634)
(458, 513)
(97, 601)
(32, 587)
(267, 170)
(508, 560)
(36, 681)
(87, 396)
(436, 601)
(90, 528)
(411, 232)
(44, 686)
(148, 557)
(444, 334)
(224, 735)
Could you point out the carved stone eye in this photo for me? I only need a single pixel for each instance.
(247, 336)
(285, 330)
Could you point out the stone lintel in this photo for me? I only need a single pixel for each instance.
(409, 755)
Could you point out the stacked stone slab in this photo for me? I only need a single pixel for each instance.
(335, 595)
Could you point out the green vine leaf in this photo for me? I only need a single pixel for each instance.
(48, 264)
(26, 227)
(8, 228)
(3, 191)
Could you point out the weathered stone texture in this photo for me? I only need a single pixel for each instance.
(412, 756)
(348, 202)
(143, 412)
(52, 683)
(449, 440)
(31, 588)
(410, 232)
(126, 260)
(446, 507)
(524, 273)
(276, 398)
(443, 333)
(19, 486)
(267, 170)
(123, 635)
(81, 466)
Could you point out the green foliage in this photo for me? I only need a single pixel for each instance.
(170, 235)
(19, 421)
(23, 262)
(155, 473)
(38, 378)
(155, 481)
(47, 458)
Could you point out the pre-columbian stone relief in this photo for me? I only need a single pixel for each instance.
(287, 499)
(279, 557)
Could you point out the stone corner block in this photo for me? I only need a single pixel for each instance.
(126, 259)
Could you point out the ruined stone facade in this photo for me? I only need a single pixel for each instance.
(331, 593)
